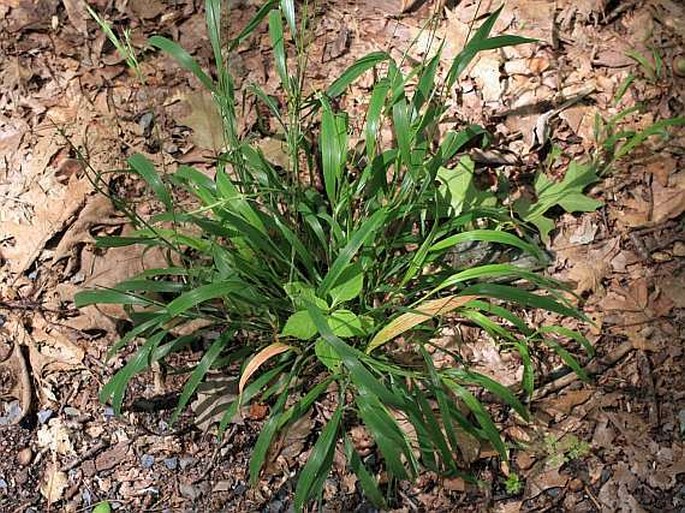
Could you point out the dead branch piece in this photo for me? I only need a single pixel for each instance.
(594, 367)
(101, 445)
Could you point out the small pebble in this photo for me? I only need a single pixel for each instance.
(108, 413)
(71, 412)
(25, 456)
(187, 461)
(171, 463)
(44, 415)
(678, 249)
(147, 460)
(575, 485)
(3, 484)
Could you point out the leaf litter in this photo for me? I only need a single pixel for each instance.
(619, 269)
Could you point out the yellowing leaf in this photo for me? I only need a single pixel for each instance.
(420, 314)
(260, 358)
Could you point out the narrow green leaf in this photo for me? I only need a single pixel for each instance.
(367, 481)
(522, 297)
(311, 479)
(355, 70)
(211, 354)
(358, 239)
(183, 58)
(488, 236)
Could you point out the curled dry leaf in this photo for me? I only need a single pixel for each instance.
(260, 359)
(421, 313)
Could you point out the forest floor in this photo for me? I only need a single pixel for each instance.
(615, 444)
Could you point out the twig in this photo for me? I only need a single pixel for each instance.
(102, 444)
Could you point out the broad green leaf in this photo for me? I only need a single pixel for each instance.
(300, 326)
(102, 507)
(352, 360)
(349, 285)
(568, 194)
(345, 324)
(300, 293)
(458, 190)
(327, 355)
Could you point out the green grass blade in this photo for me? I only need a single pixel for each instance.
(522, 297)
(347, 253)
(198, 374)
(482, 416)
(373, 116)
(367, 481)
(355, 71)
(391, 441)
(568, 359)
(252, 24)
(108, 296)
(184, 60)
(203, 293)
(278, 45)
(497, 237)
(115, 388)
(572, 334)
(311, 479)
(496, 388)
(142, 165)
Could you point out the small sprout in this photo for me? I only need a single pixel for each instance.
(102, 507)
(513, 484)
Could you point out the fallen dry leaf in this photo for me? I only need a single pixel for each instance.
(55, 436)
(78, 14)
(205, 121)
(53, 484)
